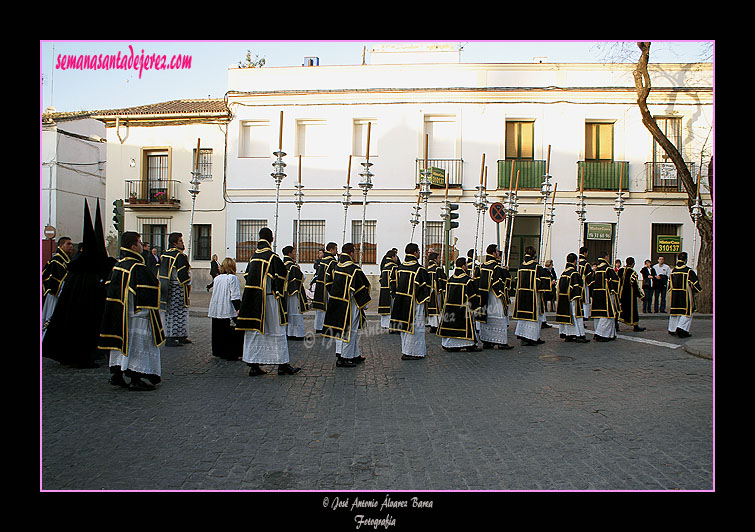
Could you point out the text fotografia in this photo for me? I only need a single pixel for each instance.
(125, 61)
(387, 503)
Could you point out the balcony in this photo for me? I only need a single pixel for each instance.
(603, 175)
(161, 194)
(531, 173)
(661, 177)
(452, 168)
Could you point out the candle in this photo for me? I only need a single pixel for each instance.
(418, 197)
(553, 200)
(482, 168)
(548, 162)
(196, 157)
(486, 178)
(348, 175)
(621, 177)
(369, 126)
(699, 178)
(280, 134)
(426, 143)
(511, 178)
(517, 182)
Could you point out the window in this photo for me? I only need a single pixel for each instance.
(254, 139)
(311, 138)
(155, 176)
(370, 247)
(520, 140)
(311, 239)
(247, 234)
(442, 132)
(598, 141)
(205, 162)
(434, 239)
(155, 232)
(359, 146)
(202, 242)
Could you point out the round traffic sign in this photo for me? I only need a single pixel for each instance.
(497, 213)
(49, 232)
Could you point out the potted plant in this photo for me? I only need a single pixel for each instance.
(161, 196)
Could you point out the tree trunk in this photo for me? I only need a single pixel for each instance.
(704, 266)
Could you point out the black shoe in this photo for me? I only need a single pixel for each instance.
(318, 331)
(505, 346)
(527, 341)
(581, 340)
(488, 345)
(117, 380)
(637, 328)
(287, 369)
(450, 349)
(184, 340)
(140, 386)
(569, 339)
(410, 357)
(295, 338)
(359, 359)
(173, 342)
(681, 333)
(471, 349)
(433, 330)
(345, 363)
(601, 339)
(255, 370)
(672, 333)
(545, 326)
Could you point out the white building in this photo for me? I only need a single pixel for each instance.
(151, 152)
(582, 115)
(73, 155)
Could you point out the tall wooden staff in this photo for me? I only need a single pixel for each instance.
(278, 175)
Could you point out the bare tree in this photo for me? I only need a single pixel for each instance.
(704, 266)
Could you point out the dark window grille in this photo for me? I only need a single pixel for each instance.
(205, 162)
(370, 247)
(311, 239)
(202, 237)
(434, 239)
(247, 235)
(157, 175)
(155, 233)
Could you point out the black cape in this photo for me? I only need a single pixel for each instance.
(344, 281)
(532, 280)
(295, 283)
(629, 291)
(491, 277)
(604, 286)
(438, 281)
(682, 287)
(460, 302)
(265, 274)
(327, 263)
(385, 298)
(411, 286)
(174, 259)
(569, 288)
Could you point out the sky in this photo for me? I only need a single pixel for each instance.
(72, 89)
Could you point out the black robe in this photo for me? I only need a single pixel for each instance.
(438, 281)
(532, 281)
(629, 291)
(54, 273)
(265, 274)
(569, 288)
(295, 283)
(411, 286)
(344, 281)
(491, 276)
(682, 287)
(384, 301)
(327, 263)
(585, 270)
(460, 302)
(604, 287)
(131, 278)
(174, 259)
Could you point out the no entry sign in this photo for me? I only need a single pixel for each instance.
(497, 214)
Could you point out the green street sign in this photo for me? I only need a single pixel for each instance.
(437, 176)
(599, 231)
(668, 244)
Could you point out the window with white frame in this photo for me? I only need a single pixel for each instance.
(254, 138)
(247, 235)
(359, 145)
(441, 132)
(205, 162)
(370, 245)
(598, 141)
(311, 138)
(311, 239)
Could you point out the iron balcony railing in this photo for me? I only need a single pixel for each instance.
(530, 171)
(452, 167)
(662, 177)
(140, 192)
(603, 175)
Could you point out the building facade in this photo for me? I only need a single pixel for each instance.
(578, 122)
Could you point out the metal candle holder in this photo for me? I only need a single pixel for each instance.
(346, 202)
(278, 175)
(481, 204)
(549, 218)
(425, 193)
(445, 214)
(365, 185)
(415, 218)
(581, 216)
(697, 213)
(545, 190)
(194, 191)
(618, 206)
(299, 201)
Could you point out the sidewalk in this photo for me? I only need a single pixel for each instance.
(700, 347)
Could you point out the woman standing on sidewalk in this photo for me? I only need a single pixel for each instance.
(227, 342)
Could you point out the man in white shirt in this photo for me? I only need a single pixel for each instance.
(661, 273)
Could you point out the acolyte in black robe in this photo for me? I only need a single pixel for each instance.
(683, 286)
(327, 263)
(411, 286)
(568, 289)
(54, 273)
(130, 279)
(295, 283)
(385, 298)
(265, 274)
(604, 287)
(585, 270)
(344, 281)
(490, 276)
(460, 302)
(629, 291)
(438, 281)
(532, 281)
(174, 259)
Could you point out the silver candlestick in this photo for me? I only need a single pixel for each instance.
(545, 190)
(425, 193)
(511, 207)
(581, 217)
(346, 202)
(697, 213)
(278, 175)
(618, 206)
(365, 184)
(299, 201)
